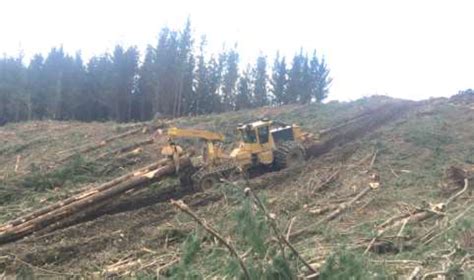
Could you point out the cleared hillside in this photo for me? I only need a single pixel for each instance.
(399, 162)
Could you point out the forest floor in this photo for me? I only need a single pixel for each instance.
(387, 197)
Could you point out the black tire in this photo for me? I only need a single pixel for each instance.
(185, 176)
(289, 154)
(208, 182)
(206, 179)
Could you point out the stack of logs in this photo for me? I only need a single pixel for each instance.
(54, 213)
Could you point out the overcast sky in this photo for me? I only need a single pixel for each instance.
(408, 49)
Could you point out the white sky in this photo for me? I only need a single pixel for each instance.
(409, 49)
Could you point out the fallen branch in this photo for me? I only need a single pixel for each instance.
(466, 186)
(421, 215)
(185, 208)
(418, 217)
(326, 182)
(373, 159)
(290, 226)
(323, 210)
(125, 149)
(393, 172)
(102, 143)
(47, 271)
(277, 232)
(17, 163)
(165, 266)
(414, 274)
(434, 274)
(452, 224)
(342, 207)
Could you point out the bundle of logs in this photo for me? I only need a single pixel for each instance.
(54, 213)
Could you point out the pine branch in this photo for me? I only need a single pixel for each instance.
(185, 208)
(277, 232)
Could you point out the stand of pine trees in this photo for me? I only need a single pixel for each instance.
(175, 78)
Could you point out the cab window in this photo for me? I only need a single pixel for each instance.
(249, 136)
(263, 134)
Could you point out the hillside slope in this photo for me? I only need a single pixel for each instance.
(398, 166)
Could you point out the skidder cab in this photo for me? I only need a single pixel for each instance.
(269, 143)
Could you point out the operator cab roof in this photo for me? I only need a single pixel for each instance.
(255, 124)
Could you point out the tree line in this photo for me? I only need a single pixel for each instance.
(174, 78)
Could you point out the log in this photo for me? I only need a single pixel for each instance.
(82, 201)
(127, 148)
(85, 193)
(95, 146)
(340, 209)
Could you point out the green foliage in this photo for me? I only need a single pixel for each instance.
(233, 194)
(25, 272)
(279, 269)
(469, 275)
(244, 92)
(75, 171)
(15, 149)
(185, 269)
(142, 275)
(230, 77)
(251, 227)
(279, 80)
(344, 265)
(260, 77)
(428, 138)
(308, 79)
(172, 81)
(428, 133)
(252, 234)
(192, 245)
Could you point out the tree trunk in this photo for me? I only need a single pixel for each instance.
(47, 216)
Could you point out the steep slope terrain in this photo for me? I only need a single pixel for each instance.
(386, 193)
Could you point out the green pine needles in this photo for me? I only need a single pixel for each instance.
(255, 242)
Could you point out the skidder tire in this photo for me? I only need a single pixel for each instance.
(289, 154)
(185, 176)
(208, 182)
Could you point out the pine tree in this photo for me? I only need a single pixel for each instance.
(13, 96)
(125, 68)
(147, 85)
(74, 85)
(37, 106)
(322, 81)
(188, 93)
(305, 94)
(100, 87)
(173, 81)
(215, 70)
(54, 71)
(185, 72)
(202, 84)
(279, 81)
(259, 74)
(230, 77)
(166, 72)
(244, 91)
(295, 78)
